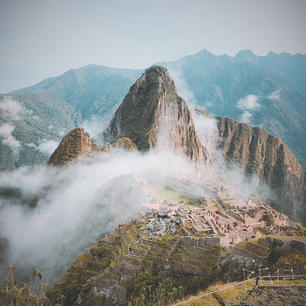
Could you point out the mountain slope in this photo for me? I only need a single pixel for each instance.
(33, 119)
(153, 115)
(266, 91)
(130, 266)
(258, 152)
(73, 145)
(89, 90)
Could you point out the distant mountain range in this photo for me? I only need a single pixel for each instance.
(267, 91)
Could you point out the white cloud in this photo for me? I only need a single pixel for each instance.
(87, 200)
(182, 89)
(275, 95)
(249, 102)
(47, 146)
(8, 139)
(11, 109)
(246, 117)
(96, 125)
(31, 145)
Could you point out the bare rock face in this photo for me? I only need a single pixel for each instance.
(152, 115)
(267, 156)
(123, 143)
(77, 142)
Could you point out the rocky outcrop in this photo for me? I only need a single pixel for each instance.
(258, 152)
(76, 143)
(122, 143)
(152, 115)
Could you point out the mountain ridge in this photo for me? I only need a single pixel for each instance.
(277, 83)
(258, 152)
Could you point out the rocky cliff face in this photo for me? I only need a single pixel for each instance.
(267, 156)
(153, 115)
(77, 142)
(122, 143)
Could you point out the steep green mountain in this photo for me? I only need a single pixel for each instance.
(89, 90)
(258, 152)
(266, 91)
(33, 119)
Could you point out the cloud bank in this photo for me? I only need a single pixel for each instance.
(6, 135)
(275, 95)
(11, 111)
(77, 205)
(248, 104)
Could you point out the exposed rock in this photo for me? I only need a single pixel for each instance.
(153, 115)
(77, 142)
(203, 112)
(267, 156)
(121, 143)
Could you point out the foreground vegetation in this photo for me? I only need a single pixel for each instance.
(31, 293)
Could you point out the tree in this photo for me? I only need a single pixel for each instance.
(36, 275)
(11, 269)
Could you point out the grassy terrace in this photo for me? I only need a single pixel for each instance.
(236, 293)
(166, 194)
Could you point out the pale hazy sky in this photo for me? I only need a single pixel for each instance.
(44, 38)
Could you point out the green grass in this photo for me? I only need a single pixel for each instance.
(165, 193)
(231, 295)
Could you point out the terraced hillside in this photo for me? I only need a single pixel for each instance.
(293, 294)
(156, 259)
(113, 269)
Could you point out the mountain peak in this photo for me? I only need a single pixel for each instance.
(245, 55)
(153, 115)
(156, 68)
(77, 142)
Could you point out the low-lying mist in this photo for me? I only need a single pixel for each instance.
(77, 204)
(91, 196)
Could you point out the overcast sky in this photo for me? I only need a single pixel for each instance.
(44, 38)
